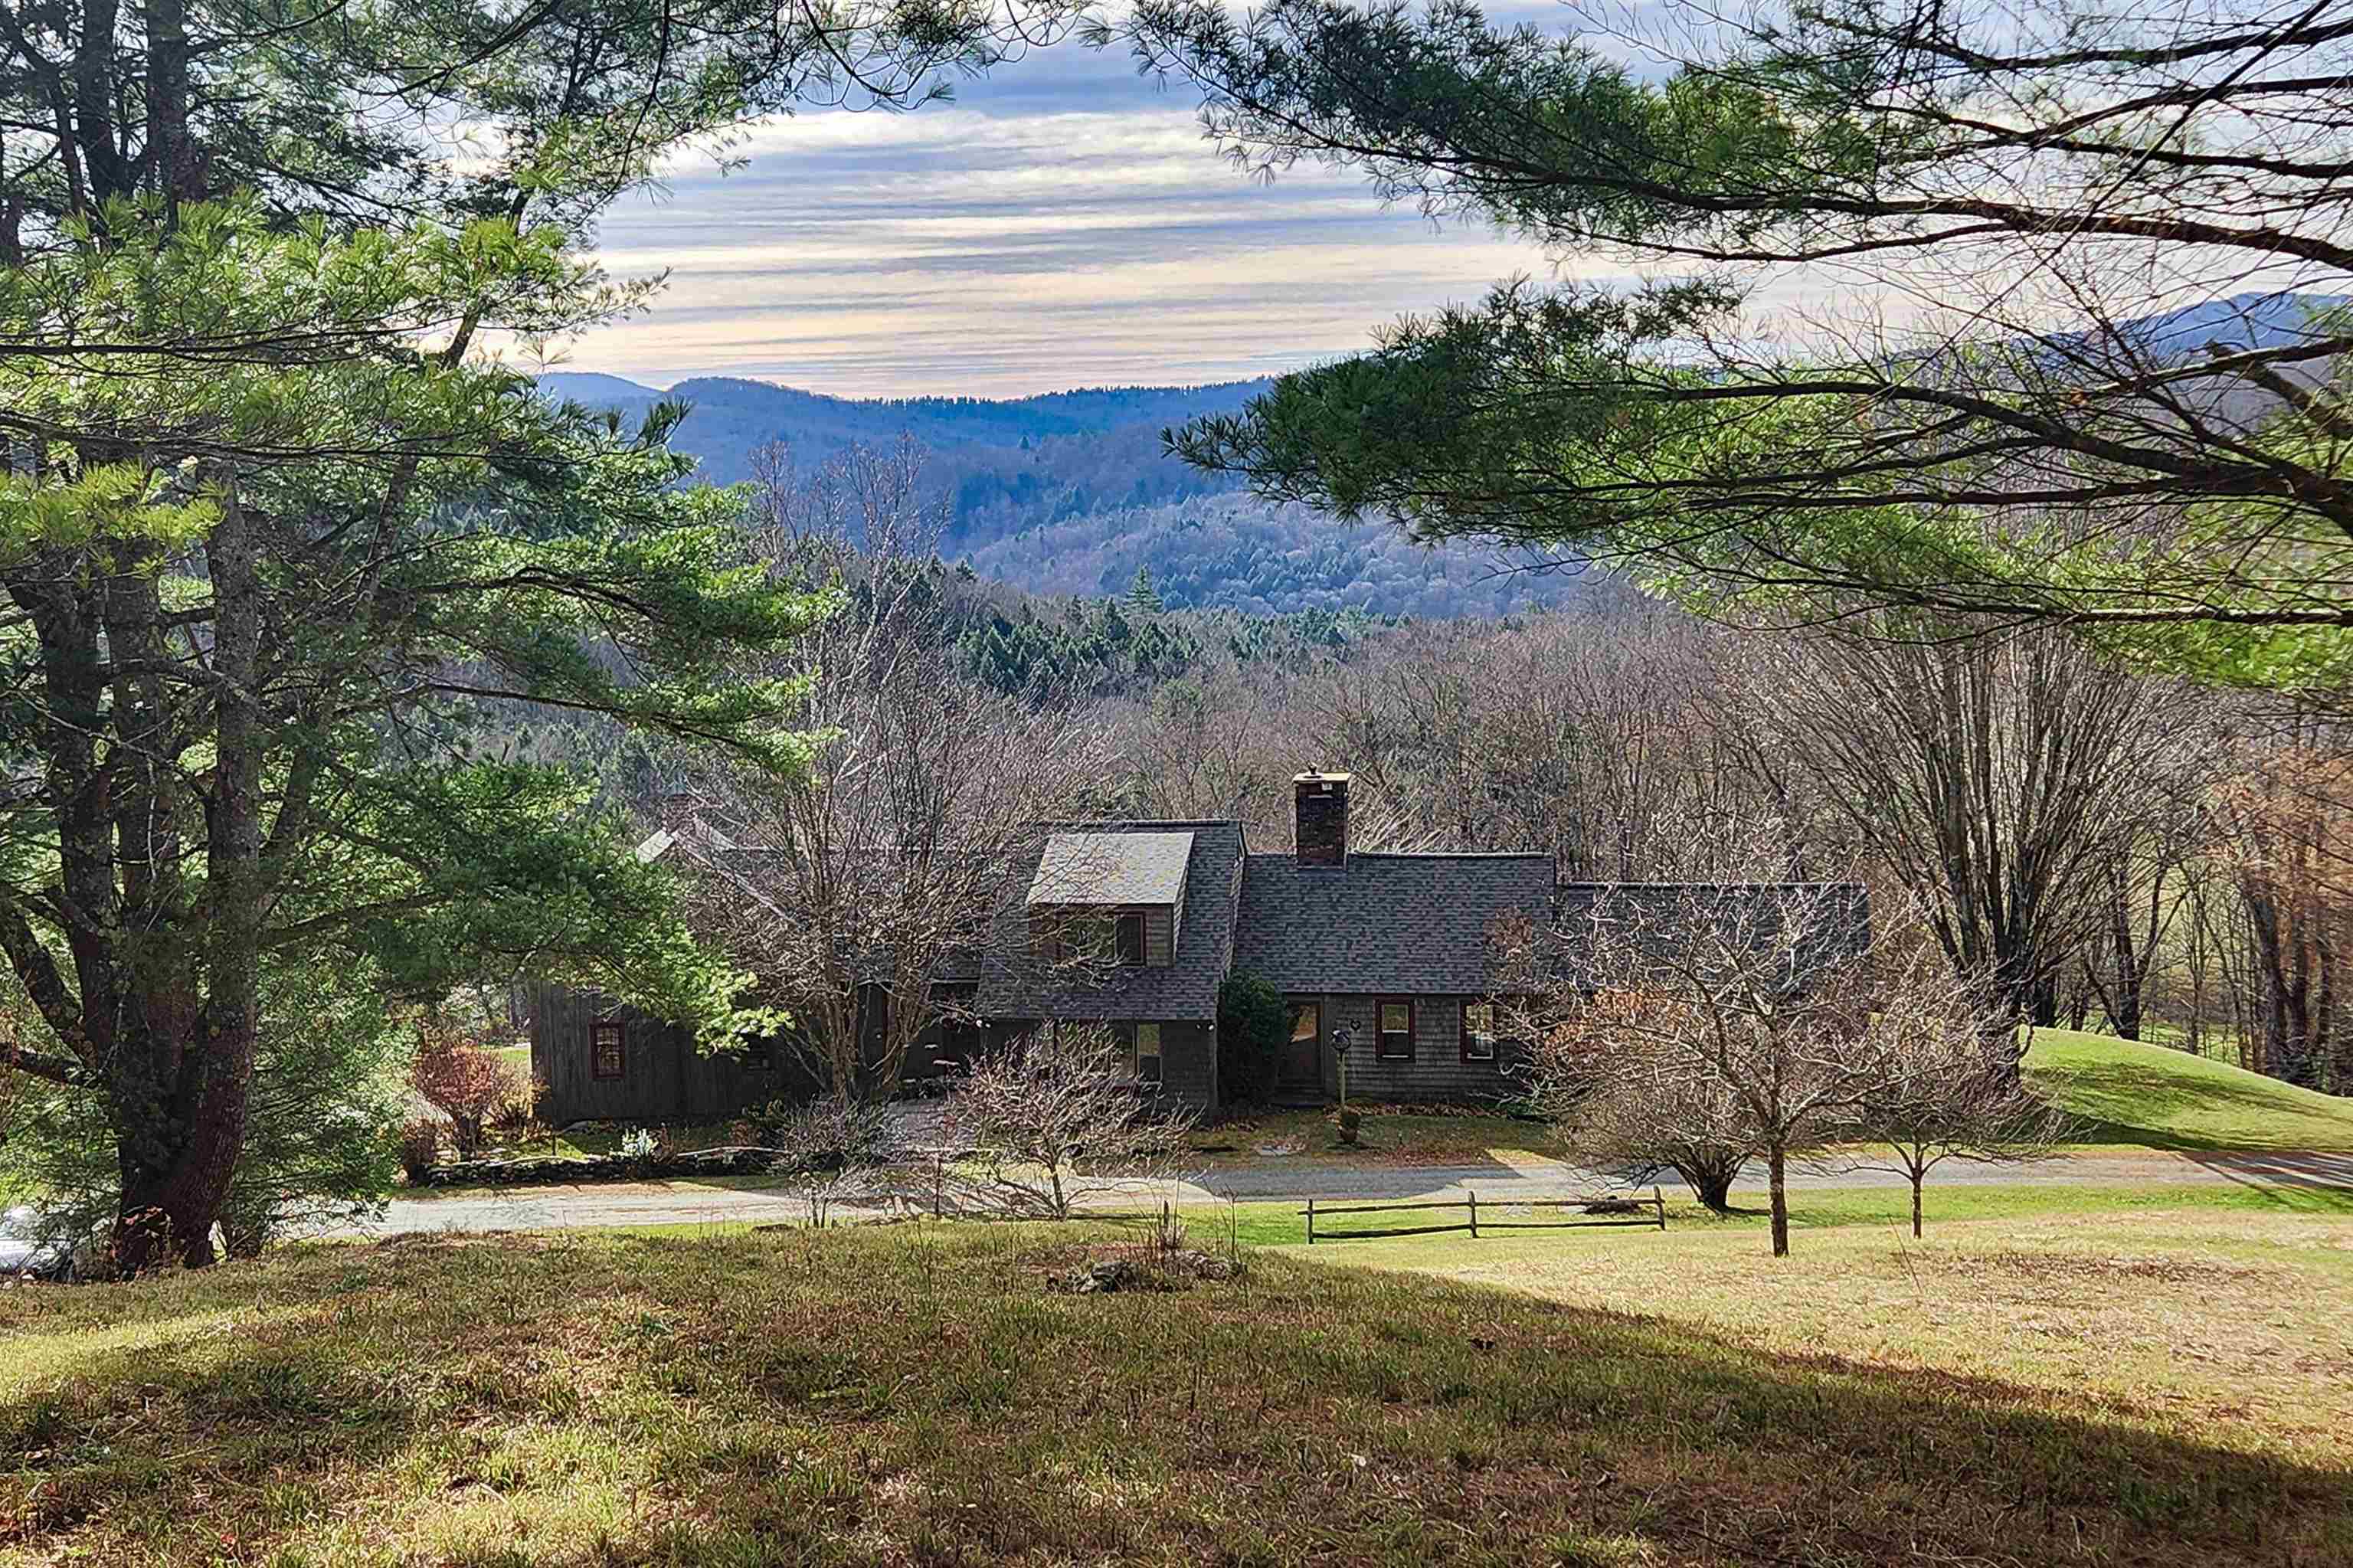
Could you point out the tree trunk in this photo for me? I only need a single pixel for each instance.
(1776, 1163)
(1710, 1183)
(1917, 1178)
(177, 1166)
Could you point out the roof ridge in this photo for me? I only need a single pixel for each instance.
(1141, 822)
(1716, 886)
(1414, 855)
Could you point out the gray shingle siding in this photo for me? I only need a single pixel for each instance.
(1189, 1064)
(1436, 1071)
(1406, 924)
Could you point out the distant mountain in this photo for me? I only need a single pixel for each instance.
(2242, 321)
(1069, 493)
(733, 418)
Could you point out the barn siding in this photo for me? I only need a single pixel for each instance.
(666, 1077)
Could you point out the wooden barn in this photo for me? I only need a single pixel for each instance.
(595, 1060)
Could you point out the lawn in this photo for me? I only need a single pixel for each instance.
(2148, 1096)
(918, 1394)
(1389, 1135)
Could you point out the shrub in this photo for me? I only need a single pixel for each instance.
(463, 1081)
(1253, 1024)
(420, 1146)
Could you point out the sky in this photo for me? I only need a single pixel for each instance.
(1062, 224)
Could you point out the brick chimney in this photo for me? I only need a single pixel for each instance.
(1320, 817)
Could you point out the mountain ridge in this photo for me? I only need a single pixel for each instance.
(1070, 493)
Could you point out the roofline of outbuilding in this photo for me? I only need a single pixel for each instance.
(1720, 887)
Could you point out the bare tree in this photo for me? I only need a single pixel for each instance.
(834, 1150)
(853, 892)
(2007, 785)
(1057, 1120)
(1721, 1020)
(2291, 809)
(1941, 1094)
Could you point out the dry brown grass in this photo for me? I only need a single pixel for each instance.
(2236, 1327)
(922, 1395)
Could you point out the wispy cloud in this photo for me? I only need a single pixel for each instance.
(1062, 224)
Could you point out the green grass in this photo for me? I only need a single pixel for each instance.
(2149, 1097)
(2162, 1387)
(1284, 1225)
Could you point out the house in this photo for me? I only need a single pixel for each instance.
(1135, 925)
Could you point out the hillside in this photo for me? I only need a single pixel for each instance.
(922, 1394)
(2157, 1097)
(1070, 493)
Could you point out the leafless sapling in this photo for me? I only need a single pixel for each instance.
(1057, 1120)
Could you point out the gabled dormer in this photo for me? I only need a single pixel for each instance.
(1113, 898)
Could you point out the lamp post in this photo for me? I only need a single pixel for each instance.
(1341, 1038)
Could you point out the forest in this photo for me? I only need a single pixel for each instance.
(1073, 493)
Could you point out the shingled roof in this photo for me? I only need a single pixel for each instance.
(1183, 990)
(1832, 920)
(1384, 923)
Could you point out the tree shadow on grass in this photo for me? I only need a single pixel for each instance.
(2103, 1094)
(2283, 1173)
(922, 1395)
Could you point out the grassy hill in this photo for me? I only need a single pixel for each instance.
(921, 1395)
(2152, 1097)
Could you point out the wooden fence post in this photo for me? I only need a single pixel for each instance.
(1474, 1214)
(1310, 1222)
(937, 1160)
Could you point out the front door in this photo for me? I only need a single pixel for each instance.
(1303, 1053)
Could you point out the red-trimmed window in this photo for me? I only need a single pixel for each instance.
(1393, 1026)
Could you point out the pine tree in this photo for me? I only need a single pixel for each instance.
(1142, 597)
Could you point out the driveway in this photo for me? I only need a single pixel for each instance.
(683, 1203)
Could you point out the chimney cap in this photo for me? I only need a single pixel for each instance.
(1319, 777)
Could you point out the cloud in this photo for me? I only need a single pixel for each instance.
(1062, 224)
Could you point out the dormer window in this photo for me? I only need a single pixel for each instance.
(1114, 898)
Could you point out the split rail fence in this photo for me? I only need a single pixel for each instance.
(1649, 1213)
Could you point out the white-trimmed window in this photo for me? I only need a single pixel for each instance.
(1478, 1031)
(1393, 1020)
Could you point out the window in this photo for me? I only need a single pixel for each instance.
(1071, 935)
(1127, 938)
(606, 1057)
(1143, 1042)
(1395, 1040)
(1478, 1031)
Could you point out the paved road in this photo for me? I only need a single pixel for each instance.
(672, 1203)
(684, 1204)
